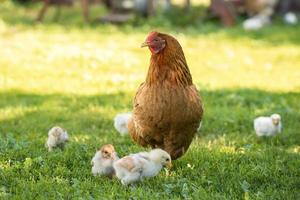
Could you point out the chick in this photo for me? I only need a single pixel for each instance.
(256, 22)
(103, 161)
(121, 121)
(291, 18)
(135, 167)
(57, 137)
(268, 126)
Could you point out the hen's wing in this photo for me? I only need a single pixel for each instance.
(186, 115)
(132, 125)
(166, 117)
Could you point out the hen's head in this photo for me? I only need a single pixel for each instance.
(157, 42)
(167, 55)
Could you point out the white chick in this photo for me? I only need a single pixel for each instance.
(268, 126)
(57, 137)
(103, 161)
(256, 22)
(290, 18)
(121, 121)
(135, 167)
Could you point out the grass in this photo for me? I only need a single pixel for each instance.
(79, 76)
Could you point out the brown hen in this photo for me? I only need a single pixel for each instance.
(167, 107)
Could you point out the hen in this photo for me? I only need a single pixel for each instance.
(167, 107)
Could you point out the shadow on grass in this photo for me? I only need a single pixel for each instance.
(37, 113)
(192, 24)
(227, 112)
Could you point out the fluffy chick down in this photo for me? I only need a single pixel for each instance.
(102, 162)
(120, 122)
(136, 167)
(57, 137)
(268, 126)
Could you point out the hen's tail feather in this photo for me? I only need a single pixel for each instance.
(121, 121)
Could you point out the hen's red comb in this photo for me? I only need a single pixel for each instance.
(152, 35)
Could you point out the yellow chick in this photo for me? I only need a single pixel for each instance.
(57, 137)
(103, 161)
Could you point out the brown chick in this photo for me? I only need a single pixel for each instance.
(167, 107)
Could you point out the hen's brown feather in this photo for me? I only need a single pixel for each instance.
(167, 108)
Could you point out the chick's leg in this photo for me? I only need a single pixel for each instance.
(119, 171)
(50, 145)
(131, 178)
(134, 135)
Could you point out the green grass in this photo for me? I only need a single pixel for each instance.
(79, 76)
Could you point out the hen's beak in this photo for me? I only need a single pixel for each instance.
(145, 44)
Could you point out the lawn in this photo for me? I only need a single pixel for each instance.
(79, 76)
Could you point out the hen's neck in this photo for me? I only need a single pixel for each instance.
(169, 68)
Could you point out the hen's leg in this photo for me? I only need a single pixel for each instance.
(134, 135)
(175, 152)
(176, 147)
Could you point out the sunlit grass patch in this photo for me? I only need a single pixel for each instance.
(79, 76)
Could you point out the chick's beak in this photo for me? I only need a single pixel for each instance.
(145, 44)
(275, 122)
(169, 165)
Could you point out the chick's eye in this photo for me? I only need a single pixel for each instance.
(105, 152)
(167, 159)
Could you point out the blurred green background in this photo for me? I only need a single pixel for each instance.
(79, 75)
